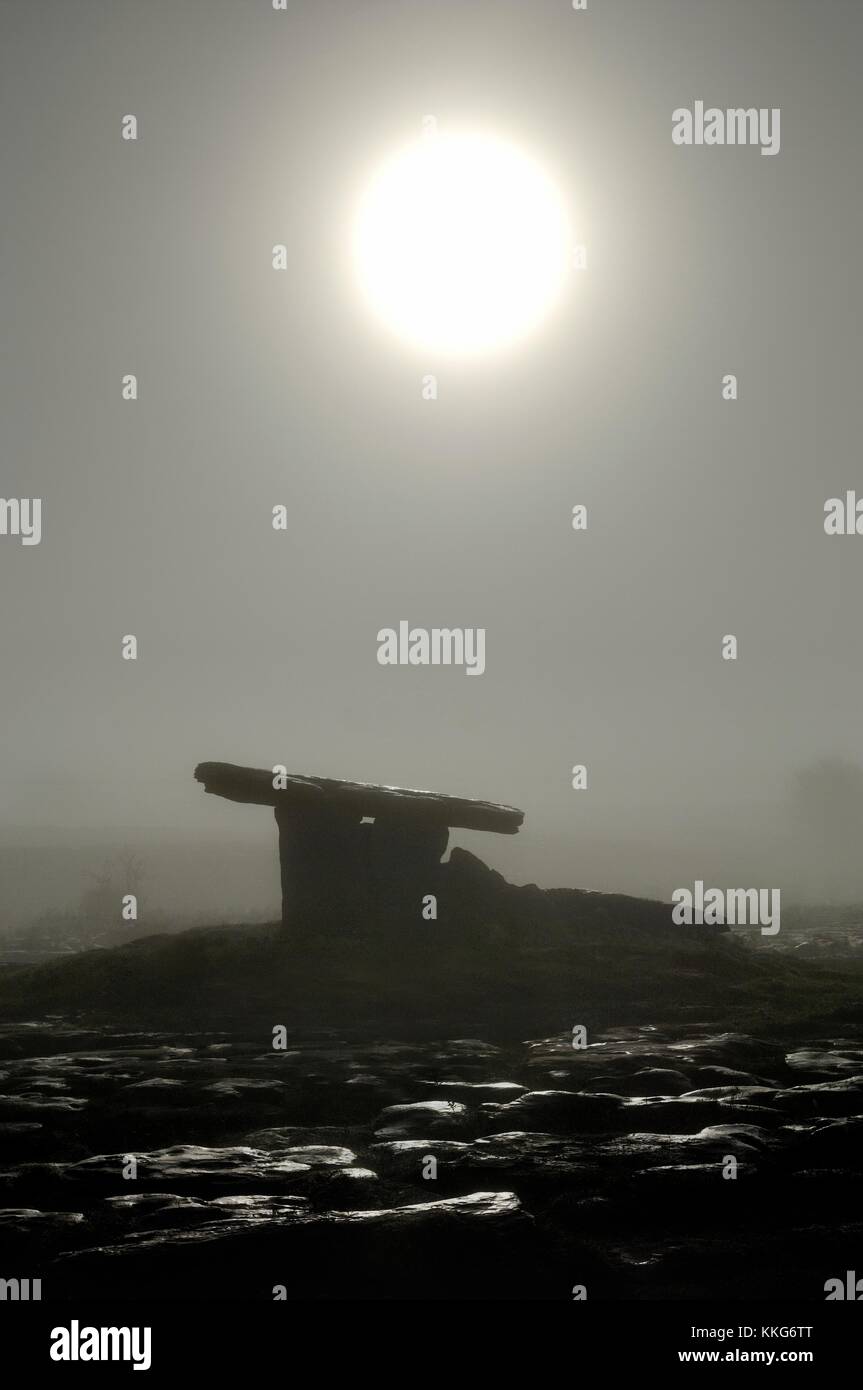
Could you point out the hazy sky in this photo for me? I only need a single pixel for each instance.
(260, 387)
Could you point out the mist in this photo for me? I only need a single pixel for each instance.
(260, 388)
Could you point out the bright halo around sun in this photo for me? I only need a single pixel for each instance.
(461, 244)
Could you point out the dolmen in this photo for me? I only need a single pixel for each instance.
(351, 852)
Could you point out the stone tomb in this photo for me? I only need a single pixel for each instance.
(354, 851)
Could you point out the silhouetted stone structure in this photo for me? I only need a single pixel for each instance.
(351, 850)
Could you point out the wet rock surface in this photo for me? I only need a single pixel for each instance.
(646, 1165)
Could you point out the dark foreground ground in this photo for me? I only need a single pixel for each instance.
(428, 1130)
(310, 1167)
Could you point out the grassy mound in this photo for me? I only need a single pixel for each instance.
(425, 979)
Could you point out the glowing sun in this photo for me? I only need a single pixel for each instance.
(461, 243)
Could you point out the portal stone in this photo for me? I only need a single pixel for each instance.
(354, 854)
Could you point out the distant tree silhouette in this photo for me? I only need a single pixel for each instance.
(101, 903)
